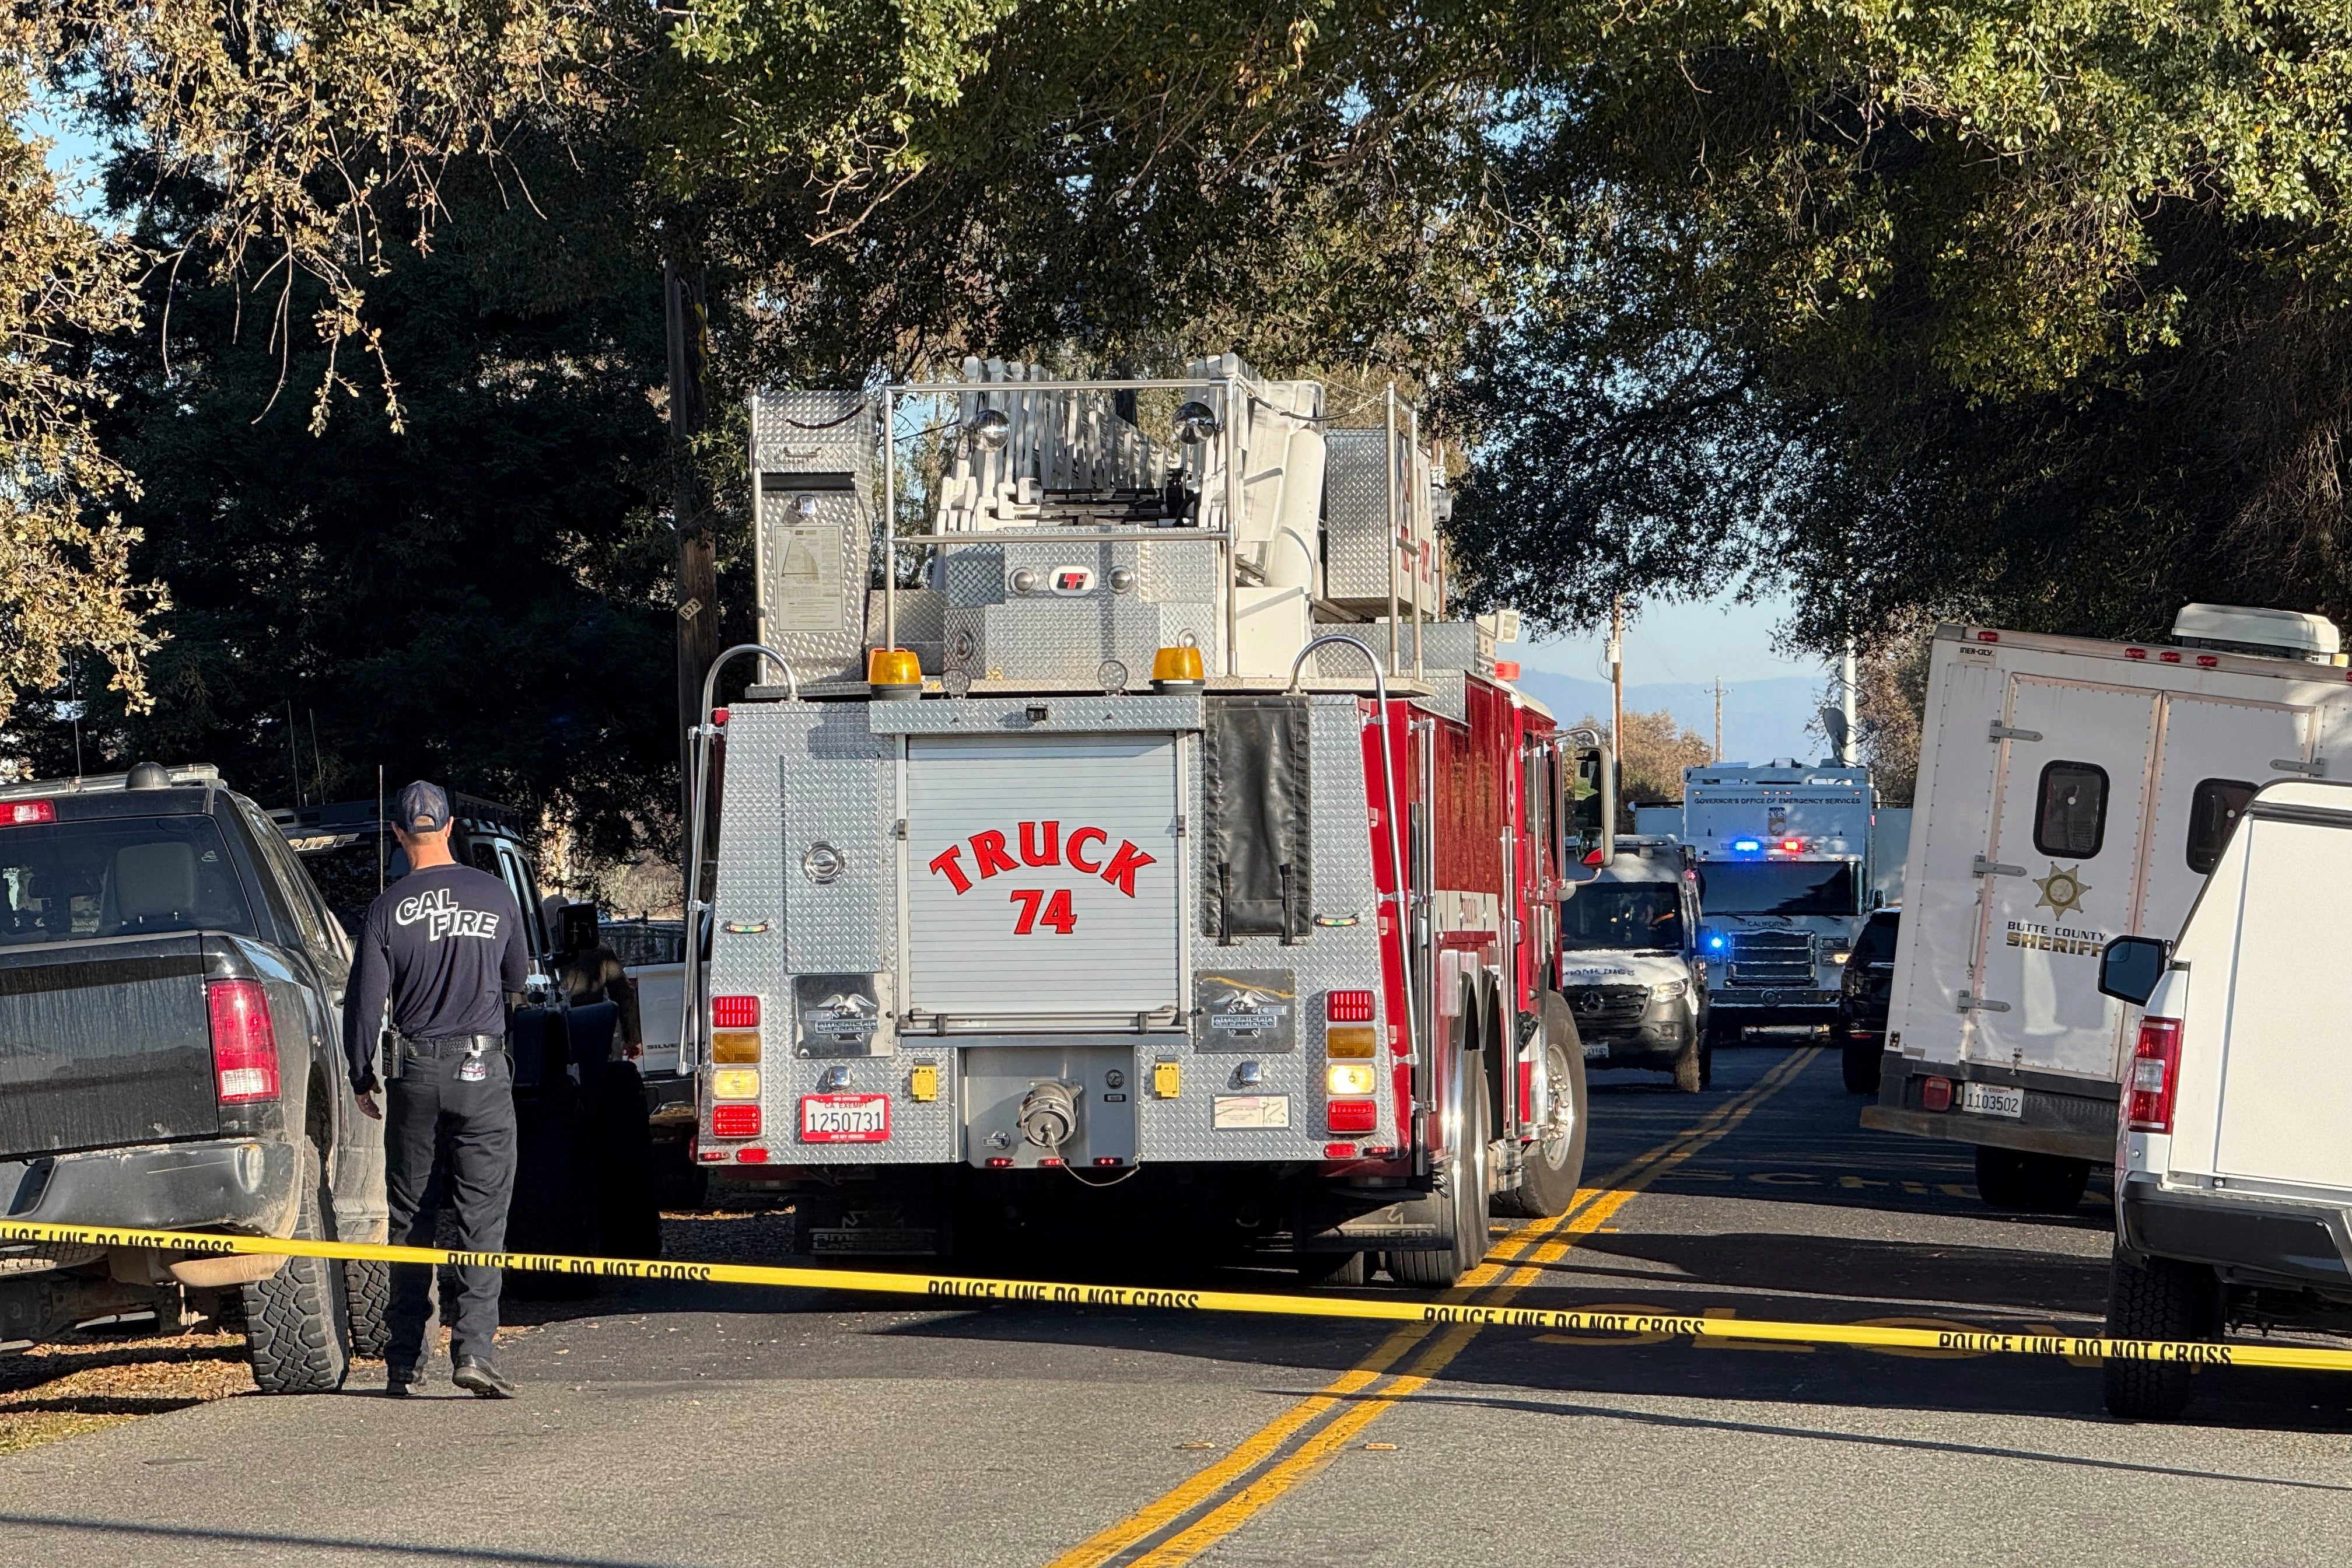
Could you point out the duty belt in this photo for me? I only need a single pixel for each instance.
(442, 1044)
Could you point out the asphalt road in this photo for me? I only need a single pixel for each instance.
(714, 1427)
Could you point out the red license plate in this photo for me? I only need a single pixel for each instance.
(845, 1118)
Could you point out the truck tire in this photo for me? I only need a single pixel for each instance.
(367, 1288)
(2156, 1299)
(1551, 1167)
(1466, 1193)
(1334, 1268)
(297, 1326)
(1861, 1065)
(2021, 1183)
(1691, 1073)
(1723, 1032)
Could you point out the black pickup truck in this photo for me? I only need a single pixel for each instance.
(169, 1058)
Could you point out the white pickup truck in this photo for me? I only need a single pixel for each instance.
(2233, 1192)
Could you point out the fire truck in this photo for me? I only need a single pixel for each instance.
(1118, 833)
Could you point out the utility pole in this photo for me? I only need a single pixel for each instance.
(688, 317)
(1847, 752)
(1617, 678)
(1718, 720)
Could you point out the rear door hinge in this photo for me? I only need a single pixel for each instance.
(1180, 825)
(1980, 867)
(900, 829)
(2314, 769)
(2000, 731)
(1971, 1003)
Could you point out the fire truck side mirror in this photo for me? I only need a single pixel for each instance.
(1588, 822)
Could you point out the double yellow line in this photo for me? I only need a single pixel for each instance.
(1266, 1465)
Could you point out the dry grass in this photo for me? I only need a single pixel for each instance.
(89, 1382)
(94, 1379)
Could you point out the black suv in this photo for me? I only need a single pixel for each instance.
(1859, 1029)
(171, 1059)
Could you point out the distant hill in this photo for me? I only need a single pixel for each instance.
(1762, 720)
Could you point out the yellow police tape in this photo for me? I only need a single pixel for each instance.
(947, 1290)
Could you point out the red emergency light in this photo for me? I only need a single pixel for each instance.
(735, 1011)
(1354, 1116)
(1348, 1006)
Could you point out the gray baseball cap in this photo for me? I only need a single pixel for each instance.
(422, 807)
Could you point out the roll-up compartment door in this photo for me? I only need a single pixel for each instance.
(1043, 875)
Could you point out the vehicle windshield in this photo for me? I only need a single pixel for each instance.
(1776, 887)
(117, 876)
(1877, 942)
(637, 943)
(1622, 915)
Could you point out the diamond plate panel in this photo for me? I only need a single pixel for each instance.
(1355, 517)
(806, 432)
(1065, 641)
(985, 715)
(1178, 572)
(922, 625)
(973, 574)
(810, 580)
(1330, 958)
(800, 773)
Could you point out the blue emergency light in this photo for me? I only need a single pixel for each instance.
(1746, 845)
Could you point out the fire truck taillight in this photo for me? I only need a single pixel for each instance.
(1354, 1116)
(1347, 1078)
(735, 1083)
(735, 1046)
(1354, 1042)
(22, 813)
(737, 1120)
(734, 1012)
(1348, 1006)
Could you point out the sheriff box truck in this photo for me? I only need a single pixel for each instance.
(2071, 791)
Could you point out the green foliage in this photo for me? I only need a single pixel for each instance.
(2029, 310)
(478, 596)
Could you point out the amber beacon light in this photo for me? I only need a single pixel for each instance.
(894, 672)
(1178, 668)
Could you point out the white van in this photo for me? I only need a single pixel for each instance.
(2233, 1192)
(1629, 963)
(2071, 791)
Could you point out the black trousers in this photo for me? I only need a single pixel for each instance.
(446, 1138)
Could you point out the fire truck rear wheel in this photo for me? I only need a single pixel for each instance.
(1551, 1166)
(1335, 1268)
(1467, 1191)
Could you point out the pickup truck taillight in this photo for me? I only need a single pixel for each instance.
(2155, 1074)
(244, 1047)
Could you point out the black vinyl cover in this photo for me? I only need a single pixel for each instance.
(1255, 789)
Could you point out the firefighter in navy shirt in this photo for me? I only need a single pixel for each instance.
(444, 945)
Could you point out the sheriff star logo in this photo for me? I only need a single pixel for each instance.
(2061, 890)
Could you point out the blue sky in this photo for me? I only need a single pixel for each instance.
(1679, 644)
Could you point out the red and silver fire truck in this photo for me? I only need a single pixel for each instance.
(1130, 839)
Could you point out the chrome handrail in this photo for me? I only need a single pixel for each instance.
(691, 982)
